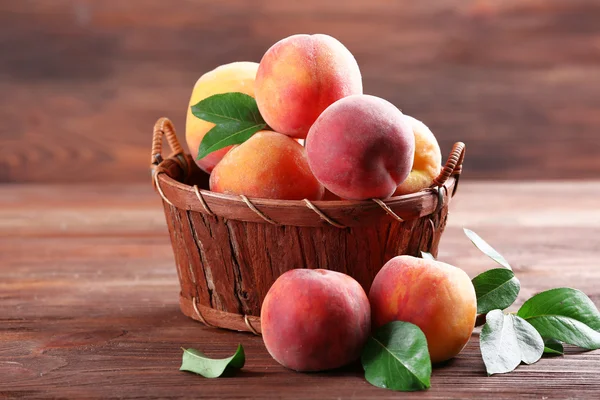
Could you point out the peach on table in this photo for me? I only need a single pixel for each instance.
(437, 297)
(314, 320)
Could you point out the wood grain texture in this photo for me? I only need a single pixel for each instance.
(232, 264)
(89, 298)
(82, 81)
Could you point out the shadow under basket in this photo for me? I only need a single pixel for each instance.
(230, 249)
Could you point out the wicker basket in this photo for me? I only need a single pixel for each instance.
(230, 249)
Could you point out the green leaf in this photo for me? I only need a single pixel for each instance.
(196, 362)
(396, 357)
(236, 116)
(427, 256)
(486, 248)
(567, 302)
(224, 135)
(495, 289)
(228, 107)
(506, 340)
(553, 347)
(564, 314)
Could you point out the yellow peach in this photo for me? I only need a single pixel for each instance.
(234, 77)
(437, 297)
(268, 165)
(427, 163)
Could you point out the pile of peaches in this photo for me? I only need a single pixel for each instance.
(316, 319)
(309, 91)
(328, 140)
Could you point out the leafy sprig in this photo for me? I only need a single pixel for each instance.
(542, 324)
(236, 118)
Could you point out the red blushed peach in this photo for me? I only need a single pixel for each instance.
(427, 163)
(234, 77)
(437, 297)
(314, 320)
(299, 77)
(268, 165)
(361, 147)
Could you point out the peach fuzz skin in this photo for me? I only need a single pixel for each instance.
(234, 77)
(299, 77)
(315, 320)
(427, 162)
(268, 165)
(361, 147)
(437, 297)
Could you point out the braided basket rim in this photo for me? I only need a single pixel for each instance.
(339, 213)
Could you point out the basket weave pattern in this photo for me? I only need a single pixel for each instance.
(230, 249)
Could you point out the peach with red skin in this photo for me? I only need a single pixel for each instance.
(437, 297)
(300, 76)
(268, 165)
(315, 320)
(361, 147)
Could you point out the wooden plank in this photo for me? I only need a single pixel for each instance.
(91, 310)
(517, 80)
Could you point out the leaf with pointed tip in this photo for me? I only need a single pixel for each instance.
(564, 314)
(506, 340)
(236, 118)
(427, 256)
(486, 248)
(495, 289)
(396, 357)
(195, 361)
(228, 134)
(230, 107)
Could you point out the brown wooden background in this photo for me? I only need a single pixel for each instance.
(82, 82)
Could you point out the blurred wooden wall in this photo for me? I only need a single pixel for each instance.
(82, 82)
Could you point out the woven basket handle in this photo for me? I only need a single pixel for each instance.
(177, 164)
(164, 126)
(453, 166)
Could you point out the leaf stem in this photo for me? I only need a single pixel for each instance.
(480, 320)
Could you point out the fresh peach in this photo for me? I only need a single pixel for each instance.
(299, 77)
(361, 147)
(234, 77)
(437, 297)
(314, 320)
(428, 160)
(268, 165)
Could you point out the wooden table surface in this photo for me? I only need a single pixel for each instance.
(89, 291)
